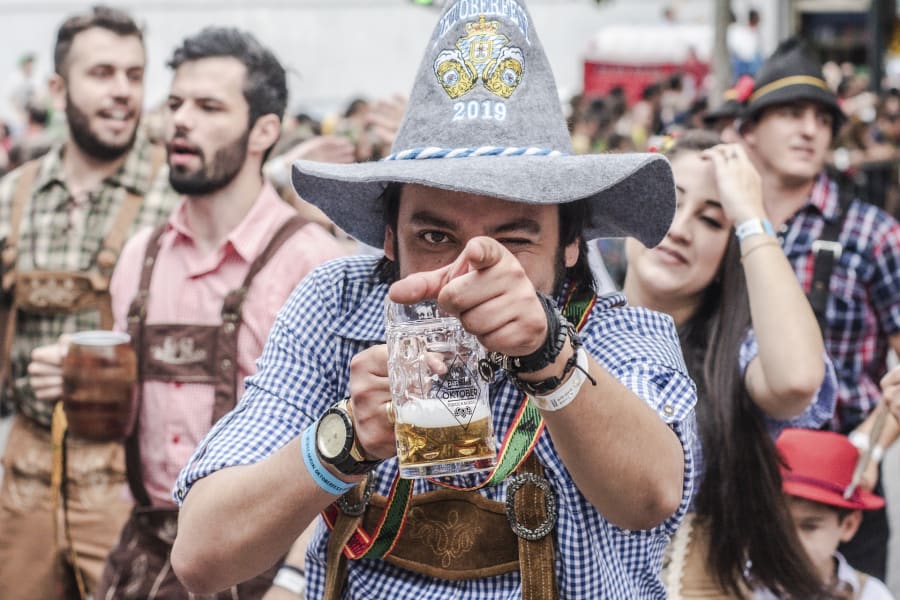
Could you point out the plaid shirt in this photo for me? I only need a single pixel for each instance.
(336, 312)
(863, 307)
(60, 232)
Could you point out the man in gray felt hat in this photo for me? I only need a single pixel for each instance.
(481, 206)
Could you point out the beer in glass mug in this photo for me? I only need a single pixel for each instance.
(442, 411)
(99, 373)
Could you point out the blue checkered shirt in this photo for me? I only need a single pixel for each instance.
(335, 313)
(863, 307)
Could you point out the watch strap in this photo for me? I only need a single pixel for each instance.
(323, 478)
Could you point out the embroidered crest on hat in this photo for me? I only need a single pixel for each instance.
(483, 53)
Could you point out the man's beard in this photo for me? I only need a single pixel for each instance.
(87, 141)
(226, 163)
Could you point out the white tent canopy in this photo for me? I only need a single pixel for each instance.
(649, 44)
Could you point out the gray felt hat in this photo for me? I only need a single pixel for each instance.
(484, 117)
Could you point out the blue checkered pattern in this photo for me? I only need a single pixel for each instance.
(863, 309)
(338, 311)
(816, 414)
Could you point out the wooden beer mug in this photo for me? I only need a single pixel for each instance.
(99, 374)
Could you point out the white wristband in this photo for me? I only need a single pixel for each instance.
(566, 392)
(752, 227)
(292, 579)
(861, 441)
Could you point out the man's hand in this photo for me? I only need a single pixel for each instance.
(45, 371)
(384, 118)
(487, 288)
(890, 387)
(323, 148)
(370, 397)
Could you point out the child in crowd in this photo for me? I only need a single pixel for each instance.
(818, 468)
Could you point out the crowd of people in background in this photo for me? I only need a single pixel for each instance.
(780, 272)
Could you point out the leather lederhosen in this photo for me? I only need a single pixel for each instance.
(45, 292)
(461, 535)
(187, 353)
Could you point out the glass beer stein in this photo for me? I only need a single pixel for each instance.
(442, 412)
(99, 373)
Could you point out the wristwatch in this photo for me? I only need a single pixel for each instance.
(336, 442)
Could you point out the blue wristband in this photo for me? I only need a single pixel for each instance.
(322, 476)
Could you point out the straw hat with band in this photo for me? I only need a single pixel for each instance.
(791, 75)
(484, 118)
(818, 466)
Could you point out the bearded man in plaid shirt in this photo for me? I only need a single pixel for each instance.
(64, 218)
(787, 127)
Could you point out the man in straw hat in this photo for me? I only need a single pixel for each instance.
(482, 207)
(845, 252)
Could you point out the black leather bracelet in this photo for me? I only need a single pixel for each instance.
(549, 350)
(545, 386)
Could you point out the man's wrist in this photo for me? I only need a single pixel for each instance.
(555, 368)
(554, 342)
(568, 390)
(321, 475)
(292, 579)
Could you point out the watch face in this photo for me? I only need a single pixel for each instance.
(331, 436)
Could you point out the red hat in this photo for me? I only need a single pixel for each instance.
(819, 466)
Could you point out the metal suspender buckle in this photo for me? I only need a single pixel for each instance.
(354, 510)
(828, 246)
(550, 508)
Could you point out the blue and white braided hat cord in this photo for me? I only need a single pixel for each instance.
(435, 152)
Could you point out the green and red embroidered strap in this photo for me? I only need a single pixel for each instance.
(520, 440)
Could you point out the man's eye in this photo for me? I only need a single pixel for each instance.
(434, 237)
(515, 241)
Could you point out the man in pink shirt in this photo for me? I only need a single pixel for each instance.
(199, 294)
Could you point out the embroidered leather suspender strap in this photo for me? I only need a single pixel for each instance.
(8, 255)
(137, 314)
(462, 535)
(118, 232)
(400, 524)
(827, 252)
(226, 388)
(61, 292)
(199, 353)
(22, 193)
(532, 518)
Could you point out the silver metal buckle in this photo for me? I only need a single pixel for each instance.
(354, 510)
(515, 483)
(834, 247)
